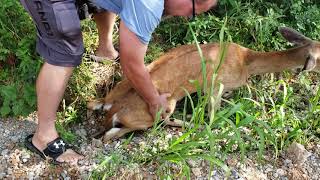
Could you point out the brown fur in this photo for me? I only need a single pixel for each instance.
(171, 73)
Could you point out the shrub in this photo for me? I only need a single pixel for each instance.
(19, 63)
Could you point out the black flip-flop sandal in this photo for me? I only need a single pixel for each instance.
(53, 150)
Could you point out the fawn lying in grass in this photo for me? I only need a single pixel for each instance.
(127, 112)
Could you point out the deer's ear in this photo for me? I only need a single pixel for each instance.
(310, 63)
(294, 36)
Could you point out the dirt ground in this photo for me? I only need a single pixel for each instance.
(18, 163)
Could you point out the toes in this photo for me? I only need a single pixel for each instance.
(69, 156)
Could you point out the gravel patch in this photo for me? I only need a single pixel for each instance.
(17, 162)
(13, 131)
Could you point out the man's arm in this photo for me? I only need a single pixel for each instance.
(132, 52)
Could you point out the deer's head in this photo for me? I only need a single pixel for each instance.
(312, 47)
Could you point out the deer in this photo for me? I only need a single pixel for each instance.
(171, 73)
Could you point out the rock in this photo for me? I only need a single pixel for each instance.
(232, 162)
(251, 173)
(10, 146)
(192, 163)
(14, 139)
(17, 151)
(14, 159)
(24, 160)
(86, 163)
(196, 172)
(2, 175)
(2, 168)
(169, 136)
(9, 171)
(97, 143)
(281, 172)
(31, 175)
(215, 178)
(288, 162)
(81, 162)
(81, 132)
(25, 156)
(268, 170)
(142, 145)
(64, 174)
(297, 153)
(84, 176)
(6, 132)
(89, 113)
(295, 174)
(235, 174)
(117, 145)
(315, 177)
(5, 152)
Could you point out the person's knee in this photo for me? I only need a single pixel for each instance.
(58, 76)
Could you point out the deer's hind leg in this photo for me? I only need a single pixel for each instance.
(175, 122)
(116, 133)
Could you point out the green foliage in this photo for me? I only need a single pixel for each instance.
(253, 24)
(109, 163)
(65, 134)
(269, 113)
(18, 62)
(16, 103)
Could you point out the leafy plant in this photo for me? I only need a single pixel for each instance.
(19, 64)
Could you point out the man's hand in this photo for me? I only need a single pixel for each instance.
(161, 104)
(132, 62)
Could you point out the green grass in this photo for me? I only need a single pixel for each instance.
(264, 116)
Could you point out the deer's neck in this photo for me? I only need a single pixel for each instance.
(268, 62)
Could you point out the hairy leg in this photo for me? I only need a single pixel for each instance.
(51, 84)
(105, 22)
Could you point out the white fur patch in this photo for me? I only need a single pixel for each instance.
(97, 106)
(111, 134)
(107, 107)
(115, 119)
(112, 131)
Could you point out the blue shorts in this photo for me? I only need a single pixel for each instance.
(59, 37)
(140, 16)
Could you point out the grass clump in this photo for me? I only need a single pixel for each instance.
(267, 115)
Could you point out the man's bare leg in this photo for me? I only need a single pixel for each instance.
(51, 84)
(105, 22)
